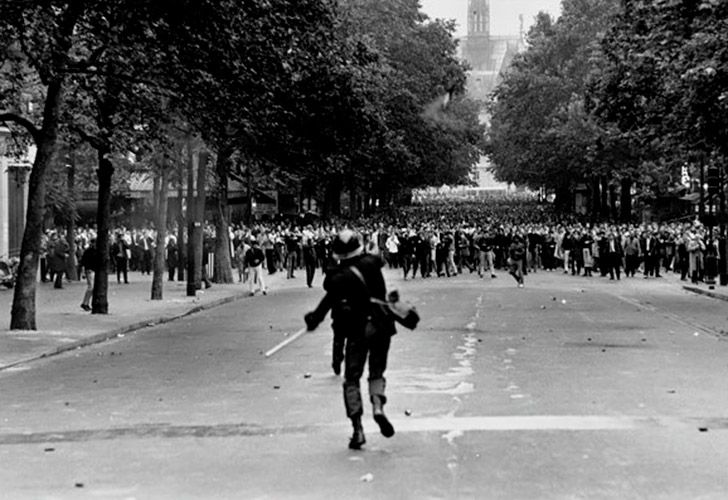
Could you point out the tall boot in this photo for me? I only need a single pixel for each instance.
(357, 438)
(385, 427)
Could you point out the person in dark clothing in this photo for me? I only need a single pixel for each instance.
(407, 247)
(614, 253)
(516, 255)
(121, 251)
(59, 253)
(349, 287)
(90, 261)
(422, 255)
(254, 259)
(309, 258)
(172, 257)
(292, 242)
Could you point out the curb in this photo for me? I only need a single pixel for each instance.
(709, 293)
(112, 334)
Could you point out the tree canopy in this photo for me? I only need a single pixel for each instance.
(614, 94)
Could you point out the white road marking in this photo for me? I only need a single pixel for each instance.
(455, 426)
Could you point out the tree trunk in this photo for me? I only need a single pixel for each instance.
(22, 316)
(72, 264)
(353, 200)
(564, 201)
(613, 213)
(249, 190)
(100, 300)
(595, 199)
(604, 196)
(333, 197)
(223, 272)
(626, 199)
(192, 285)
(200, 202)
(160, 194)
(181, 247)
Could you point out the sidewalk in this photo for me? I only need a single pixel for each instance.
(62, 325)
(717, 292)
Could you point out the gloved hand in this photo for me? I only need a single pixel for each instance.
(311, 321)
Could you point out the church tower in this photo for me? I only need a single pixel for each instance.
(479, 18)
(477, 46)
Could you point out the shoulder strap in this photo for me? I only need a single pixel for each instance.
(359, 275)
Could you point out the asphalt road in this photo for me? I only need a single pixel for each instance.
(568, 388)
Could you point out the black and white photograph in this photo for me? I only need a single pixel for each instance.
(363, 249)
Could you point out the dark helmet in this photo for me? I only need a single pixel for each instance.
(346, 245)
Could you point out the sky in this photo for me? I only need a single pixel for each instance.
(503, 13)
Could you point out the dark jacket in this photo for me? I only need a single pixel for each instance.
(91, 260)
(58, 255)
(348, 297)
(254, 257)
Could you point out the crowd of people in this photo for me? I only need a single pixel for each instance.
(437, 239)
(446, 239)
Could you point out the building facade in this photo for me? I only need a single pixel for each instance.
(13, 197)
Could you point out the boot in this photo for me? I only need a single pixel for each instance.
(385, 427)
(357, 438)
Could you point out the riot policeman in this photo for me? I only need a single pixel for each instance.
(349, 287)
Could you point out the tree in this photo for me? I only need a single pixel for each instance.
(541, 132)
(119, 103)
(391, 65)
(41, 38)
(240, 87)
(661, 86)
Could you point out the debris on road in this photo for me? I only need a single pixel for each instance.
(408, 412)
(367, 478)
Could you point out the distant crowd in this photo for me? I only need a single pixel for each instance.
(437, 239)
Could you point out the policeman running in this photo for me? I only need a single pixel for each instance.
(349, 287)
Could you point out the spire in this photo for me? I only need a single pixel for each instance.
(479, 18)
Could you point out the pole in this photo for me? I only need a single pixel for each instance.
(711, 257)
(722, 247)
(300, 333)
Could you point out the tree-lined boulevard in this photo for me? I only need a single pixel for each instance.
(564, 389)
(610, 127)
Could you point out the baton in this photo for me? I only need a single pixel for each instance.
(289, 340)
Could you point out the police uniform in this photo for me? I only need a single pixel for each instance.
(349, 287)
